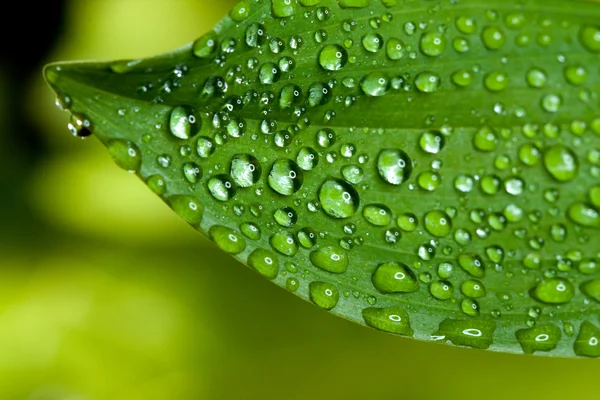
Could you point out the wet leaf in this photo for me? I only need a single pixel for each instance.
(426, 168)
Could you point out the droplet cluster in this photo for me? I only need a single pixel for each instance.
(399, 159)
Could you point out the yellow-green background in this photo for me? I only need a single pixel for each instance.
(106, 294)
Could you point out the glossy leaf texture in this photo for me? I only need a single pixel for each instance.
(427, 168)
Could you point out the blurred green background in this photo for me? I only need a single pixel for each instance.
(106, 294)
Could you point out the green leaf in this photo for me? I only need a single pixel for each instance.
(426, 168)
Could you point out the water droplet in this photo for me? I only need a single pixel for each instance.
(592, 289)
(464, 183)
(331, 258)
(286, 177)
(584, 214)
(432, 142)
(438, 223)
(395, 49)
(157, 184)
(441, 290)
(250, 230)
(408, 222)
(285, 243)
(394, 278)
(307, 238)
(433, 44)
(333, 57)
(394, 166)
(188, 208)
(462, 77)
(536, 78)
(529, 154)
(265, 262)
(554, 291)
(473, 333)
(338, 198)
(184, 123)
(473, 264)
(561, 163)
(324, 294)
(473, 288)
(576, 74)
(538, 338)
(125, 154)
(307, 158)
(551, 102)
(427, 82)
(286, 217)
(80, 126)
(389, 319)
(255, 35)
(493, 38)
(470, 307)
(206, 146)
(326, 138)
(269, 73)
(353, 174)
(245, 170)
(372, 42)
(466, 25)
(375, 84)
(587, 343)
(205, 45)
(485, 140)
(227, 239)
(222, 187)
(589, 36)
(496, 81)
(192, 172)
(377, 214)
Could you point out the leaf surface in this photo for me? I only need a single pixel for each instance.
(427, 168)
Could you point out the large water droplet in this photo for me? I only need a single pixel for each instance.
(188, 208)
(227, 239)
(389, 319)
(394, 166)
(473, 264)
(332, 259)
(125, 154)
(394, 278)
(433, 44)
(284, 243)
(377, 214)
(222, 187)
(375, 84)
(561, 163)
(338, 198)
(587, 343)
(184, 123)
(438, 223)
(286, 177)
(538, 338)
(554, 291)
(472, 333)
(324, 294)
(245, 170)
(333, 57)
(589, 36)
(265, 262)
